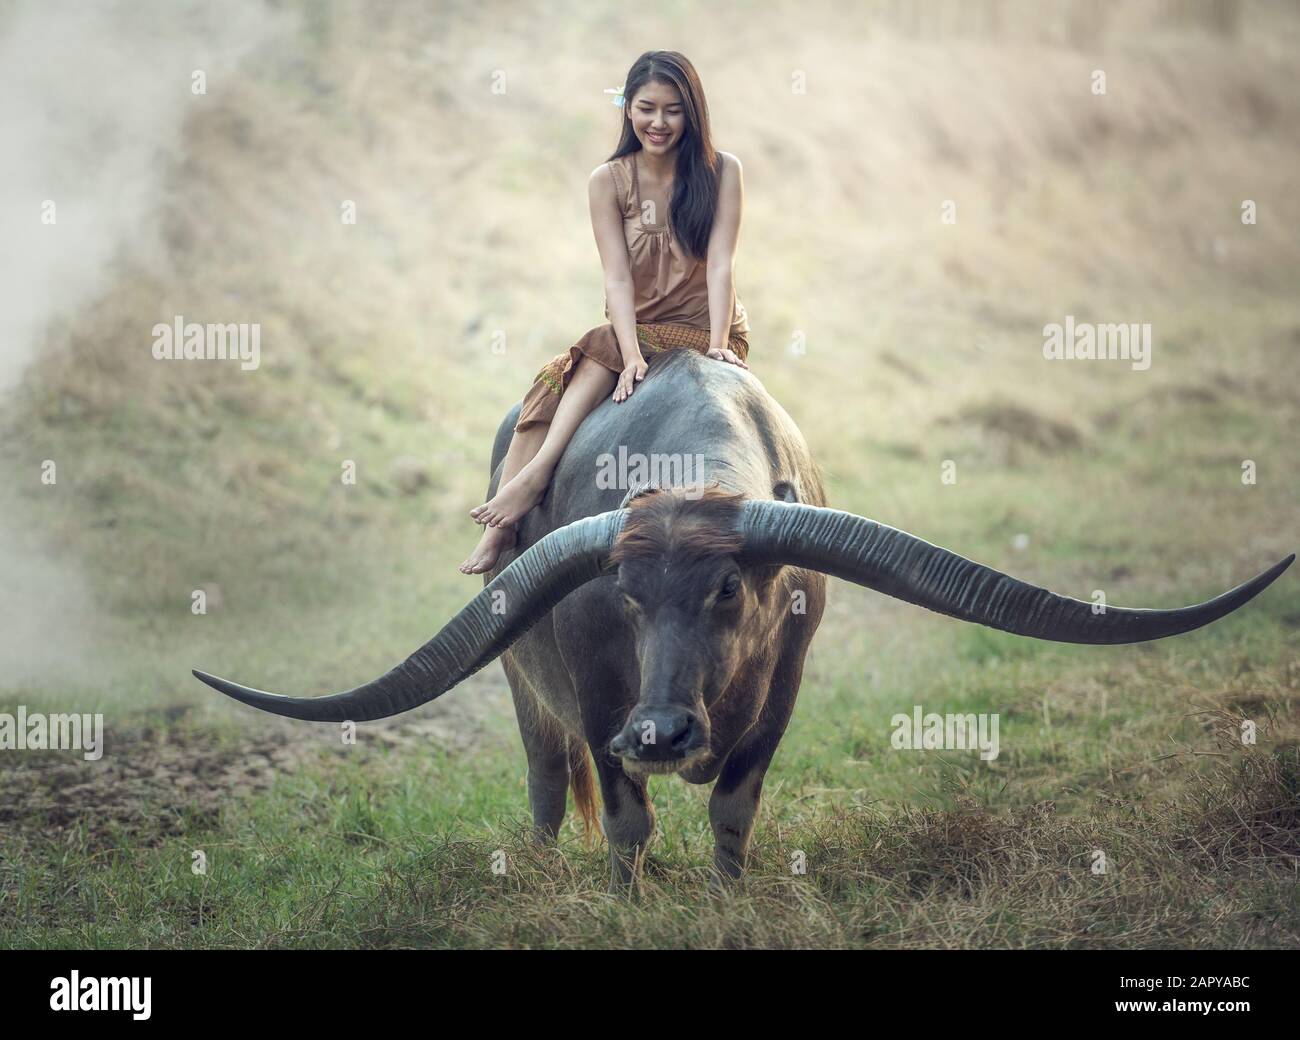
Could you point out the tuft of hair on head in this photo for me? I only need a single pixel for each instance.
(690, 520)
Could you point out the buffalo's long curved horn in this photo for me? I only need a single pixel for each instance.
(908, 568)
(528, 588)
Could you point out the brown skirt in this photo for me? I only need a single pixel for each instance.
(601, 345)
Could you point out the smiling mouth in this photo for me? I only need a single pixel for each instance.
(658, 138)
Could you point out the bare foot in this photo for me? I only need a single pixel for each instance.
(511, 502)
(484, 557)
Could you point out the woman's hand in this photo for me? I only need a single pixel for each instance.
(727, 355)
(632, 374)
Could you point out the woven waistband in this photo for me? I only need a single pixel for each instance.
(657, 336)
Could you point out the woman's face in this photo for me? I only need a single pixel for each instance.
(658, 117)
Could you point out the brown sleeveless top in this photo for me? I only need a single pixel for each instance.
(668, 285)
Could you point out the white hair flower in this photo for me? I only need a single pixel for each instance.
(617, 99)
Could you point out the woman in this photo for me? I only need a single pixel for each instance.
(668, 282)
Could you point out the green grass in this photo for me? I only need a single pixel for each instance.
(380, 849)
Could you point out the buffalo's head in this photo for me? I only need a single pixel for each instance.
(701, 611)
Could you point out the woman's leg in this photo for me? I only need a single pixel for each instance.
(591, 381)
(523, 446)
(538, 442)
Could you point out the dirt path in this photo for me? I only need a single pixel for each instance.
(154, 775)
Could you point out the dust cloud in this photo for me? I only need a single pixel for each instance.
(93, 102)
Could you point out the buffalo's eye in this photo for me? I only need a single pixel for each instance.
(729, 587)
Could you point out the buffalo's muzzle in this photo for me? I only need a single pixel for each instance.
(663, 733)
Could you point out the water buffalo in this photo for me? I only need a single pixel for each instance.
(665, 628)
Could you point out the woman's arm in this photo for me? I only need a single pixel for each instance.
(607, 224)
(721, 260)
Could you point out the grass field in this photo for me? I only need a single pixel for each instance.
(922, 345)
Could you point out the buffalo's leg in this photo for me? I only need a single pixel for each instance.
(628, 819)
(548, 762)
(548, 791)
(738, 792)
(733, 806)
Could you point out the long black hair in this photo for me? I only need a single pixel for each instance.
(695, 184)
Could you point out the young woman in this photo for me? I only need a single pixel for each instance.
(666, 211)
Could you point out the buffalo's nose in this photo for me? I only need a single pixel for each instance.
(659, 733)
